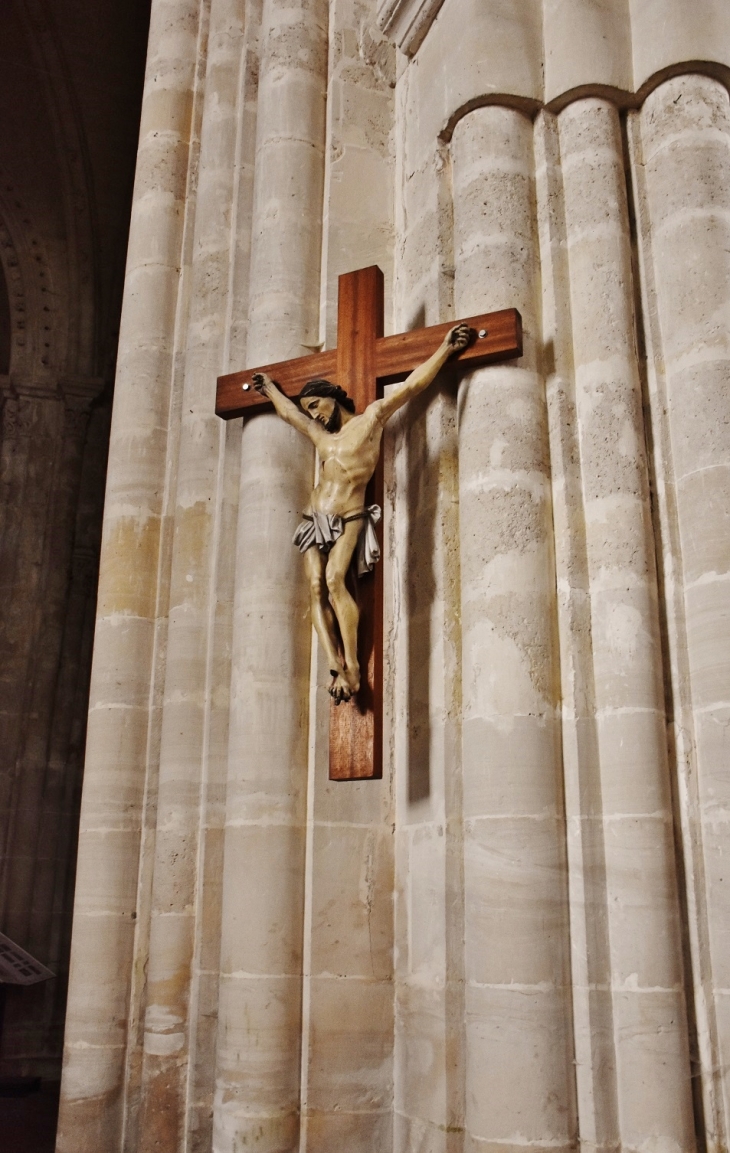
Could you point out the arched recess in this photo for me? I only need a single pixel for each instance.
(5, 329)
(36, 346)
(53, 444)
(81, 336)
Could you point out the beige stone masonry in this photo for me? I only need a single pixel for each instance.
(484, 952)
(681, 146)
(118, 745)
(259, 1015)
(516, 962)
(347, 991)
(185, 920)
(619, 793)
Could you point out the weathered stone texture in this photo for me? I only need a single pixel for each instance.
(486, 950)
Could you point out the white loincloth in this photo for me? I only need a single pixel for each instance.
(323, 529)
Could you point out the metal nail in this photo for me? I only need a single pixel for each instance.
(482, 333)
(246, 387)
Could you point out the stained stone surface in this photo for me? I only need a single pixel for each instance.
(517, 939)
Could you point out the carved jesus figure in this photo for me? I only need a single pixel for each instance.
(337, 521)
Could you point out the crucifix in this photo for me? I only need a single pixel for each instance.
(361, 365)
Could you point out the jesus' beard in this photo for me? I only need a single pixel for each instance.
(334, 422)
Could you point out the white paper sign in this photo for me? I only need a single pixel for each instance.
(18, 967)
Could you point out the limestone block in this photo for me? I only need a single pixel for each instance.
(586, 43)
(351, 914)
(423, 865)
(666, 32)
(422, 1089)
(513, 781)
(263, 919)
(629, 739)
(502, 53)
(113, 799)
(513, 866)
(648, 1111)
(360, 1132)
(350, 1070)
(508, 1111)
(260, 1093)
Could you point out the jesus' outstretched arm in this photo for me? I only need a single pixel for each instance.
(286, 408)
(455, 340)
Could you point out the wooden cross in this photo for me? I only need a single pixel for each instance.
(363, 362)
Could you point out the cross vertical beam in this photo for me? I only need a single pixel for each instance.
(356, 726)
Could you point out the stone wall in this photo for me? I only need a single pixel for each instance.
(516, 939)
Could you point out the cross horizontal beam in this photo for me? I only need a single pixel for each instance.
(395, 357)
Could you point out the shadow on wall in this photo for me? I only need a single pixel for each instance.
(424, 480)
(420, 591)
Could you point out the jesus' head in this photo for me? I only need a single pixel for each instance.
(323, 401)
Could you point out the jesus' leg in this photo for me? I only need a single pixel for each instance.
(323, 618)
(346, 610)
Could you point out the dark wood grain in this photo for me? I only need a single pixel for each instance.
(392, 359)
(356, 727)
(290, 375)
(396, 356)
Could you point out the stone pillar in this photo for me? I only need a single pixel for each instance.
(424, 662)
(518, 1042)
(682, 170)
(637, 1019)
(259, 1023)
(347, 1000)
(118, 746)
(185, 913)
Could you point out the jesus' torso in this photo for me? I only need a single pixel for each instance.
(347, 462)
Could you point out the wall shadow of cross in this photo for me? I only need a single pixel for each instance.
(363, 363)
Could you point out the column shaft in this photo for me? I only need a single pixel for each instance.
(682, 171)
(118, 752)
(625, 823)
(519, 1074)
(424, 658)
(185, 913)
(258, 1055)
(347, 1004)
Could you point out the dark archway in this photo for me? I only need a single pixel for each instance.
(71, 78)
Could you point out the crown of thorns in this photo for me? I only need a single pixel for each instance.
(326, 388)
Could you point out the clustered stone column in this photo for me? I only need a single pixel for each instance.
(516, 965)
(93, 1090)
(347, 990)
(424, 666)
(259, 1018)
(682, 170)
(637, 1007)
(185, 915)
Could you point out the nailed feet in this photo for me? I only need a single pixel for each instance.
(345, 683)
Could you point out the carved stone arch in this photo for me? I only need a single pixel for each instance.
(80, 341)
(33, 301)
